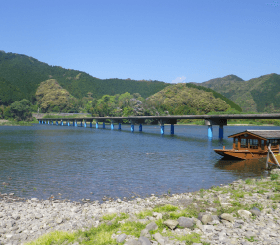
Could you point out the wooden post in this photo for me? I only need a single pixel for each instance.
(267, 158)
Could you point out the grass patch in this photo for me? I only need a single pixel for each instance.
(251, 239)
(190, 238)
(144, 214)
(18, 123)
(274, 176)
(236, 194)
(248, 181)
(109, 216)
(56, 237)
(276, 197)
(165, 208)
(101, 235)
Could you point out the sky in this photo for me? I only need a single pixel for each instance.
(171, 41)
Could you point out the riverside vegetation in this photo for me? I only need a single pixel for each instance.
(243, 212)
(178, 99)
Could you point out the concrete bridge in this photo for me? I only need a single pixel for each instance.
(210, 120)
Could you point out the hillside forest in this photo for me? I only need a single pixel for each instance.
(29, 85)
(260, 94)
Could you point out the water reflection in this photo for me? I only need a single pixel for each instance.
(248, 167)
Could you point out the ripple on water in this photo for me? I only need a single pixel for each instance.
(46, 160)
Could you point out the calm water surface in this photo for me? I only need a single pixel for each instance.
(45, 160)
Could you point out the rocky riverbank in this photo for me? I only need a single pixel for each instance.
(244, 212)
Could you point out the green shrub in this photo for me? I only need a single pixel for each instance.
(274, 176)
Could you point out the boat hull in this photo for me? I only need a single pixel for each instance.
(241, 154)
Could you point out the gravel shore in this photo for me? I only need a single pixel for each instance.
(221, 217)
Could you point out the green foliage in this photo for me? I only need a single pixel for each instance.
(9, 93)
(144, 214)
(192, 238)
(165, 208)
(233, 105)
(258, 95)
(180, 99)
(109, 216)
(21, 76)
(7, 114)
(2, 112)
(274, 176)
(266, 95)
(19, 110)
(101, 235)
(52, 97)
(118, 105)
(248, 181)
(251, 239)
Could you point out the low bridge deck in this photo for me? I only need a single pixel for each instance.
(210, 120)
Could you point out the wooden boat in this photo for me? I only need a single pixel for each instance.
(252, 144)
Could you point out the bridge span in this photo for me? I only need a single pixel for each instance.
(210, 120)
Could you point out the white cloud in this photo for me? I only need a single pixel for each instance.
(179, 79)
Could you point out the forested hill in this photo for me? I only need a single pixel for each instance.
(21, 75)
(260, 94)
(184, 99)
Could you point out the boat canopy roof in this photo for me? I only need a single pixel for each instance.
(262, 134)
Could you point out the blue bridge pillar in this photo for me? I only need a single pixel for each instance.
(81, 123)
(171, 128)
(162, 128)
(56, 123)
(112, 126)
(120, 126)
(45, 121)
(76, 124)
(61, 123)
(96, 124)
(90, 124)
(140, 127)
(221, 131)
(48, 121)
(68, 123)
(210, 131)
(132, 127)
(85, 124)
(220, 121)
(52, 122)
(103, 126)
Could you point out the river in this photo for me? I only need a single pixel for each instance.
(76, 162)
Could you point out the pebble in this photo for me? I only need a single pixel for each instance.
(23, 220)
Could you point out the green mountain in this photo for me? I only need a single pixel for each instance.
(21, 75)
(183, 99)
(9, 92)
(260, 94)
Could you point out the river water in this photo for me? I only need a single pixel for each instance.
(76, 162)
